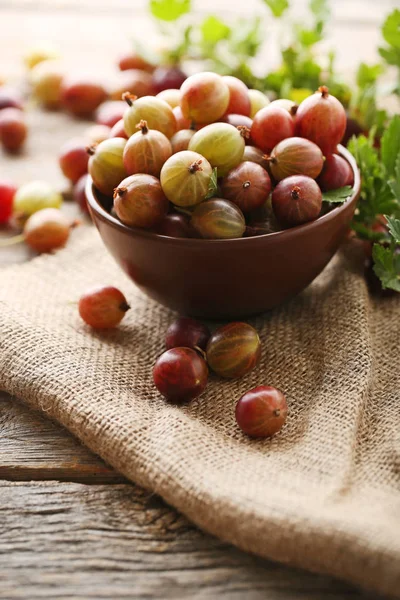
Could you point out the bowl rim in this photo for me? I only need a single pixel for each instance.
(96, 207)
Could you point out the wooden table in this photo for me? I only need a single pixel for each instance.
(70, 526)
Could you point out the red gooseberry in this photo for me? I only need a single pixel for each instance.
(134, 81)
(103, 307)
(204, 97)
(165, 78)
(296, 156)
(82, 96)
(336, 173)
(13, 129)
(131, 60)
(239, 100)
(110, 112)
(187, 332)
(233, 350)
(261, 412)
(118, 130)
(73, 159)
(181, 139)
(174, 225)
(47, 230)
(271, 125)
(321, 118)
(180, 374)
(140, 202)
(218, 219)
(7, 193)
(296, 200)
(181, 121)
(146, 151)
(248, 185)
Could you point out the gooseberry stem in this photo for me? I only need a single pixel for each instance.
(11, 241)
(124, 306)
(324, 91)
(129, 98)
(91, 149)
(195, 166)
(293, 109)
(244, 131)
(295, 193)
(143, 127)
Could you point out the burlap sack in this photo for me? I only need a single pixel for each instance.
(323, 494)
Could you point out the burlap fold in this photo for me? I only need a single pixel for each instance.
(322, 495)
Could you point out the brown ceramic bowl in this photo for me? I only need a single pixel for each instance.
(224, 279)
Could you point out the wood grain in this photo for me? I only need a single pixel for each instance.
(66, 540)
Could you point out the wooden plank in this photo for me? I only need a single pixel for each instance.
(34, 448)
(67, 540)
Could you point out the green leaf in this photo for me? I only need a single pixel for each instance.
(386, 267)
(337, 196)
(213, 185)
(391, 29)
(278, 7)
(390, 55)
(214, 30)
(368, 74)
(320, 8)
(394, 228)
(390, 145)
(169, 10)
(309, 37)
(395, 183)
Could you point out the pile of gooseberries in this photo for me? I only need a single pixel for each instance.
(221, 153)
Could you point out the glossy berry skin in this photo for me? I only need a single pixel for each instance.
(335, 174)
(239, 100)
(110, 112)
(181, 121)
(130, 60)
(296, 156)
(10, 98)
(171, 97)
(7, 193)
(185, 178)
(106, 165)
(233, 350)
(81, 97)
(34, 196)
(257, 156)
(180, 375)
(286, 104)
(165, 78)
(134, 81)
(221, 144)
(321, 118)
(46, 79)
(204, 97)
(271, 125)
(258, 100)
(140, 202)
(248, 185)
(79, 193)
(118, 130)
(296, 200)
(13, 129)
(218, 219)
(47, 230)
(155, 111)
(174, 225)
(261, 412)
(181, 139)
(146, 151)
(187, 332)
(73, 159)
(103, 307)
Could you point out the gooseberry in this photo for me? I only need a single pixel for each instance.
(180, 374)
(233, 350)
(46, 79)
(171, 97)
(98, 133)
(13, 129)
(174, 225)
(131, 60)
(10, 98)
(73, 159)
(221, 144)
(110, 112)
(34, 196)
(239, 121)
(261, 412)
(155, 111)
(336, 173)
(271, 125)
(181, 121)
(239, 100)
(296, 156)
(218, 219)
(185, 178)
(286, 104)
(165, 78)
(296, 200)
(106, 165)
(146, 151)
(180, 140)
(43, 52)
(248, 185)
(79, 193)
(103, 307)
(118, 130)
(204, 97)
(7, 194)
(139, 83)
(47, 230)
(258, 100)
(82, 96)
(321, 118)
(140, 202)
(257, 156)
(187, 332)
